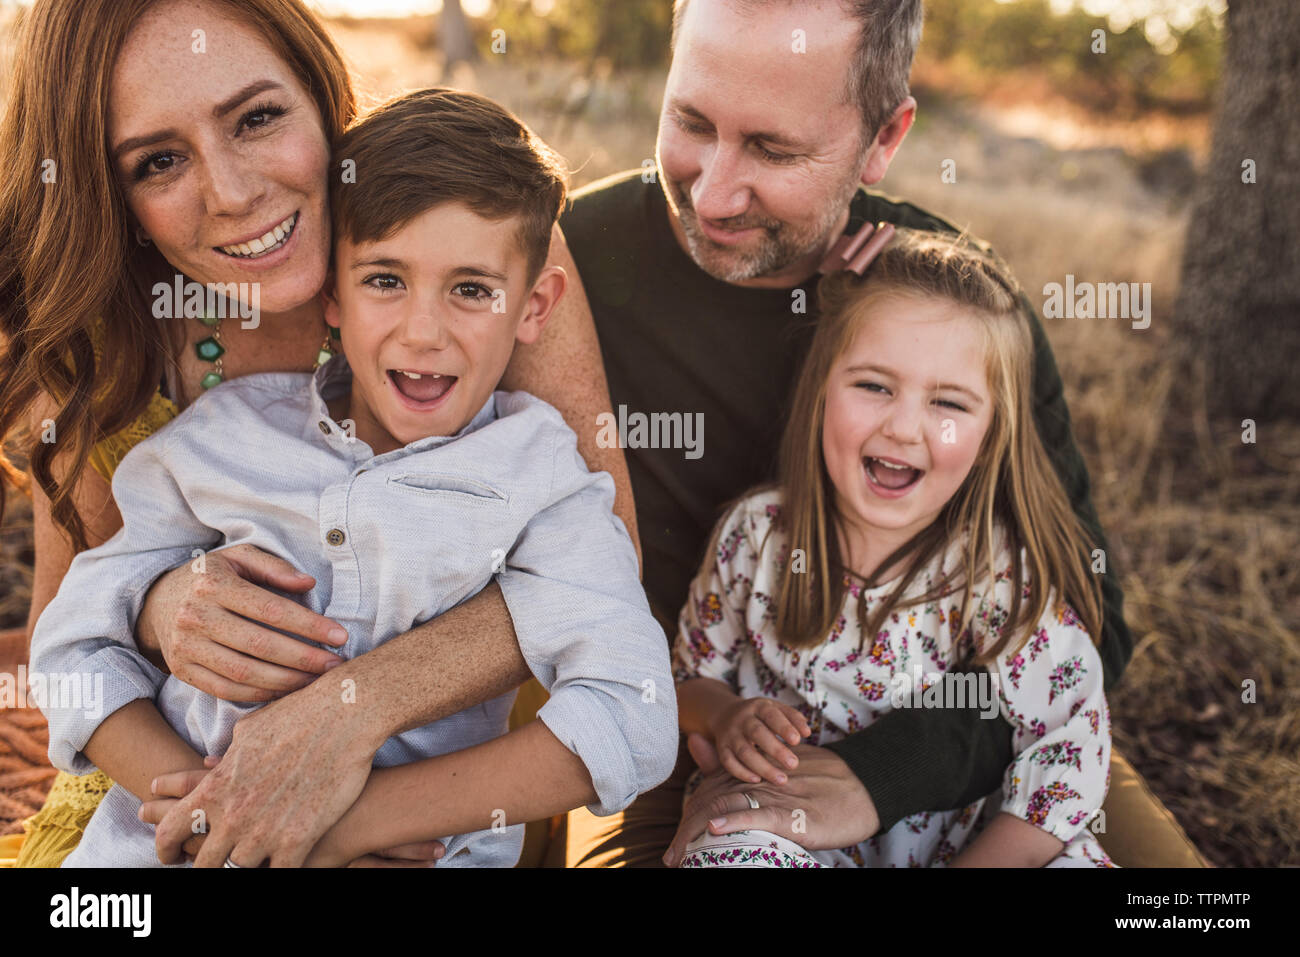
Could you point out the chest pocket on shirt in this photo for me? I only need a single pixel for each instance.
(459, 489)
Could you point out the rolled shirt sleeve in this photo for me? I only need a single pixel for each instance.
(84, 658)
(586, 631)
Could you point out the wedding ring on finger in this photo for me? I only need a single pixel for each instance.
(230, 863)
(753, 804)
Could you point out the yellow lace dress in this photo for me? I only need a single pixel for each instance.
(52, 832)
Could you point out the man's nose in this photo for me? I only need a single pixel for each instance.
(722, 189)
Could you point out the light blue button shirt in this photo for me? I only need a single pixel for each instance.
(392, 540)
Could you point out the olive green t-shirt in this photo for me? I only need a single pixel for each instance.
(724, 358)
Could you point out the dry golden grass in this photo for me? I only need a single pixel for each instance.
(1203, 528)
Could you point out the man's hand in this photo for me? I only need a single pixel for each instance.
(207, 626)
(292, 769)
(169, 789)
(823, 805)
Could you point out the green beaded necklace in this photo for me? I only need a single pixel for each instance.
(211, 350)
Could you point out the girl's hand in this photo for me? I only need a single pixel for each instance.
(292, 769)
(208, 626)
(753, 733)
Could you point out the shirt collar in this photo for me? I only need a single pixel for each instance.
(334, 378)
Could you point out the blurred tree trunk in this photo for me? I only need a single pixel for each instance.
(453, 31)
(1238, 307)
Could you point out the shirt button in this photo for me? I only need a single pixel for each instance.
(335, 537)
(324, 427)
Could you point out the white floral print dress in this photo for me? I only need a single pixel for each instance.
(1049, 690)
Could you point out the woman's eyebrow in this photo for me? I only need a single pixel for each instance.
(220, 110)
(251, 90)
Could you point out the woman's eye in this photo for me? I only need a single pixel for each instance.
(384, 282)
(260, 116)
(472, 290)
(155, 164)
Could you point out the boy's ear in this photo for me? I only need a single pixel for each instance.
(329, 299)
(546, 292)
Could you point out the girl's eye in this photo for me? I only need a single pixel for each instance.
(871, 387)
(155, 164)
(472, 290)
(384, 282)
(948, 403)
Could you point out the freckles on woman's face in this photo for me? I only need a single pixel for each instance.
(221, 153)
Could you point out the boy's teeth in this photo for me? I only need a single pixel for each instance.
(417, 375)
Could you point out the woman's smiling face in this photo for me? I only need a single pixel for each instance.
(221, 153)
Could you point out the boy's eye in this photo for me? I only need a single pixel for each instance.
(384, 282)
(472, 290)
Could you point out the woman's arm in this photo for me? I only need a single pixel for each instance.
(564, 368)
(93, 499)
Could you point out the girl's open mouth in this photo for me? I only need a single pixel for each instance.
(421, 390)
(889, 478)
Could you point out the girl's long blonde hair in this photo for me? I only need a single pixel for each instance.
(67, 255)
(1012, 482)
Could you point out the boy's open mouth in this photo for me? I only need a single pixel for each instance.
(891, 476)
(421, 386)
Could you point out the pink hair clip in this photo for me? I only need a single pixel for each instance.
(856, 252)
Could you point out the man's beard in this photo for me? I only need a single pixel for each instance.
(779, 247)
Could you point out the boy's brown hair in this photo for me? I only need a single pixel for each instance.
(441, 146)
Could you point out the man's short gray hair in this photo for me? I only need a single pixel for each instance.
(882, 63)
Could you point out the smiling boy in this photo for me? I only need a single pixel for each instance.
(403, 483)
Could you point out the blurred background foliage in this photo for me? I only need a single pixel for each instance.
(1149, 65)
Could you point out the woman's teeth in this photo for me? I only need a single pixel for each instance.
(269, 241)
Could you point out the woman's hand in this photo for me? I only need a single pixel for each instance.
(207, 626)
(292, 769)
(169, 789)
(822, 806)
(753, 733)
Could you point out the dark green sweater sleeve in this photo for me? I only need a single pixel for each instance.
(937, 759)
